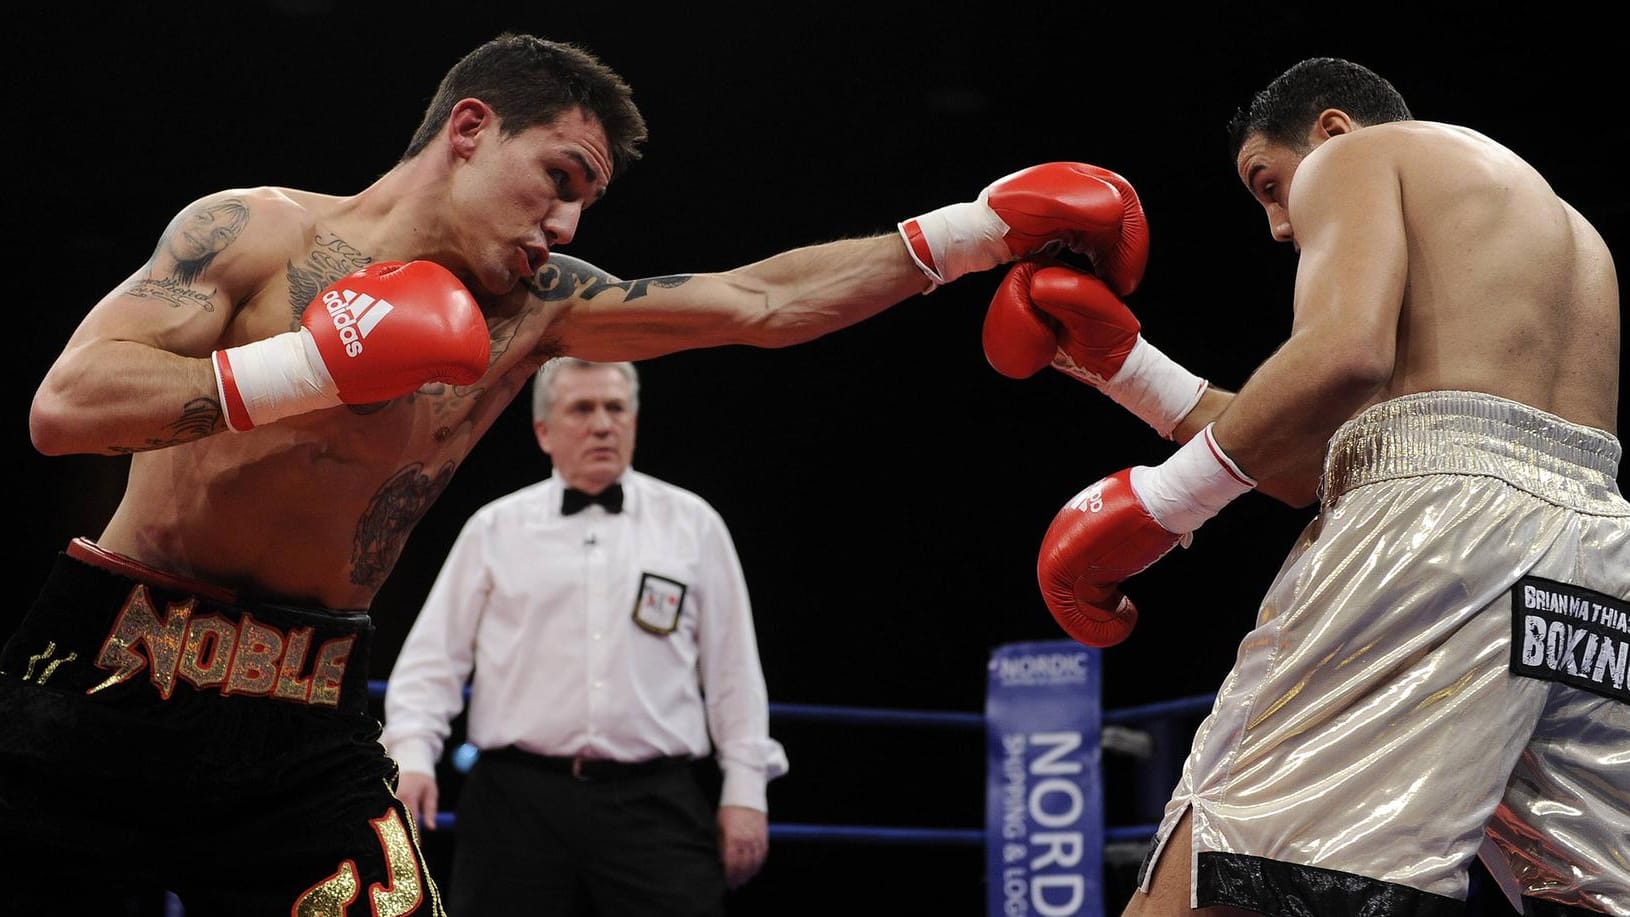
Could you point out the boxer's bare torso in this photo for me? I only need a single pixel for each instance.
(1509, 290)
(1431, 258)
(315, 507)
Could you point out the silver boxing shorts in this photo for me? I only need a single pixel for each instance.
(1438, 670)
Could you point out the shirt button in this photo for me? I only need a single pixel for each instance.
(599, 684)
(596, 635)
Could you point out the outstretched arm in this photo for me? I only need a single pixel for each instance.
(787, 299)
(810, 291)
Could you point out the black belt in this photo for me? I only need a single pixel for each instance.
(592, 770)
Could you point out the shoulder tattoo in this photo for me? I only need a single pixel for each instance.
(189, 244)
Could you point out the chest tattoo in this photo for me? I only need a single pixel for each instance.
(331, 259)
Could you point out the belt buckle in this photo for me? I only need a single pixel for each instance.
(577, 768)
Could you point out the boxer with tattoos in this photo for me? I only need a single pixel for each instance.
(296, 376)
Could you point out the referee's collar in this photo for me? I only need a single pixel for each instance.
(626, 480)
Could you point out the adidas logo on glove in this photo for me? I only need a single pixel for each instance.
(354, 315)
(441, 336)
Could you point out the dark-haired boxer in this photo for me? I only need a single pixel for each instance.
(297, 376)
(1439, 670)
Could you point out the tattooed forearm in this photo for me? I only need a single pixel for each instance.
(199, 418)
(332, 259)
(395, 509)
(568, 278)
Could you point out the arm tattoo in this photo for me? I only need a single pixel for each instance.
(568, 278)
(332, 259)
(172, 291)
(199, 418)
(395, 509)
(190, 243)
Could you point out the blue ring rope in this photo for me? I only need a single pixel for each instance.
(882, 716)
(874, 716)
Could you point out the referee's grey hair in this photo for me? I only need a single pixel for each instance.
(543, 384)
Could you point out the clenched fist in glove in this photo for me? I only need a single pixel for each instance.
(1046, 314)
(373, 335)
(1121, 525)
(1086, 209)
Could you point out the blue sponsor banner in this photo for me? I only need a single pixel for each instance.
(1044, 804)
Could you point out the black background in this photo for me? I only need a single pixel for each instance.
(887, 489)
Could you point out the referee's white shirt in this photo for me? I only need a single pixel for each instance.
(542, 607)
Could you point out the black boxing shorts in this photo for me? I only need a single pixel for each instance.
(160, 734)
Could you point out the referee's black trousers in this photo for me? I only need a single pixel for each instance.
(532, 839)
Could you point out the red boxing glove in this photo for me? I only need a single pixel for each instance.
(391, 327)
(1042, 310)
(1098, 540)
(373, 335)
(1120, 526)
(1098, 341)
(1019, 339)
(1087, 209)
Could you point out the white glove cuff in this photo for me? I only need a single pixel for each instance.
(1191, 486)
(264, 381)
(957, 239)
(1155, 388)
(416, 756)
(744, 786)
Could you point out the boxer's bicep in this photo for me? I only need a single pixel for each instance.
(213, 255)
(1348, 224)
(127, 316)
(134, 374)
(1348, 215)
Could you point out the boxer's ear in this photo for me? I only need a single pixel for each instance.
(1332, 122)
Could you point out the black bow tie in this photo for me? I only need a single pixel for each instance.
(575, 500)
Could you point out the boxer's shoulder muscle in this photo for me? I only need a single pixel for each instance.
(562, 285)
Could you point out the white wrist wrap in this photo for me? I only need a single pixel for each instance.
(957, 239)
(1150, 384)
(1155, 388)
(1184, 491)
(264, 381)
